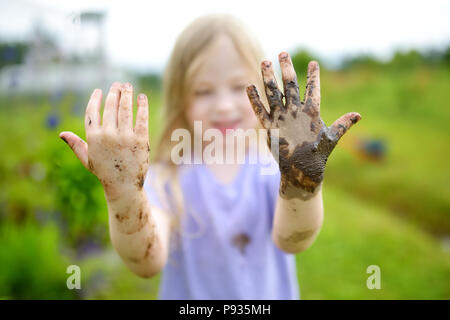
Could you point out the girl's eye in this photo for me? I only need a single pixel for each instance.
(202, 92)
(239, 87)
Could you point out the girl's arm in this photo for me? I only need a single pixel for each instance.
(297, 221)
(118, 155)
(141, 235)
(304, 144)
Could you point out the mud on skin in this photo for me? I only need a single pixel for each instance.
(133, 225)
(123, 164)
(305, 142)
(305, 166)
(302, 165)
(296, 237)
(150, 242)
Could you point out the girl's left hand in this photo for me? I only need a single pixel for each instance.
(305, 142)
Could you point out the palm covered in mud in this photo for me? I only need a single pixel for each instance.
(305, 142)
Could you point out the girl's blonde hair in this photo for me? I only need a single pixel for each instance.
(187, 56)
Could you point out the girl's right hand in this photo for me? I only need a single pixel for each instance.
(115, 152)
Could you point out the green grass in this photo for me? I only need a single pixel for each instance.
(106, 277)
(409, 112)
(356, 235)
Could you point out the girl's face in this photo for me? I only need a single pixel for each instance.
(218, 97)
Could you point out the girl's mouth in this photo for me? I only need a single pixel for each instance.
(224, 125)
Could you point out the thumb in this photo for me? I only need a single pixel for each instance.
(78, 146)
(341, 125)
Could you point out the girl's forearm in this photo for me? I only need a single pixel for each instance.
(304, 145)
(139, 233)
(297, 220)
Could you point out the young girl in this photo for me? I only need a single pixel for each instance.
(216, 230)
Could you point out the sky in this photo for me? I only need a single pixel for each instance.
(140, 34)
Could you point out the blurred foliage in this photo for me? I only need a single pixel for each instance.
(33, 267)
(300, 60)
(401, 60)
(48, 181)
(390, 210)
(408, 111)
(48, 197)
(152, 82)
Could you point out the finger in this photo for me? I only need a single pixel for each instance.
(142, 116)
(78, 146)
(258, 107)
(92, 116)
(341, 125)
(112, 106)
(291, 91)
(125, 120)
(312, 94)
(274, 95)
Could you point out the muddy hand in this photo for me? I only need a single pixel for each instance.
(305, 142)
(115, 152)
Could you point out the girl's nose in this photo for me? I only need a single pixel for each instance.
(224, 103)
